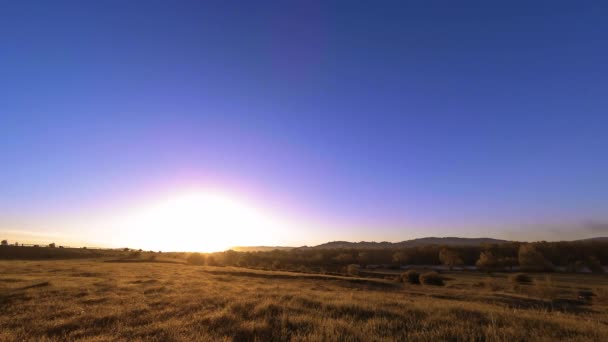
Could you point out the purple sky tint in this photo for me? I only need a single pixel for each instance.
(374, 121)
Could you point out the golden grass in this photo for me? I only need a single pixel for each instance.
(98, 301)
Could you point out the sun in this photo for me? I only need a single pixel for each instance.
(202, 221)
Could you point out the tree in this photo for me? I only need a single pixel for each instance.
(52, 245)
(352, 269)
(363, 258)
(196, 259)
(344, 258)
(231, 257)
(594, 265)
(487, 260)
(450, 257)
(532, 260)
(400, 258)
(4, 243)
(508, 262)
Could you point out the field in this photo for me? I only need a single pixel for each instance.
(155, 301)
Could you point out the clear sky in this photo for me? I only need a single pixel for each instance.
(349, 120)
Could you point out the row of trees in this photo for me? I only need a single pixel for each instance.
(5, 243)
(573, 256)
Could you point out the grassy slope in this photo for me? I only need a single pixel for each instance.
(94, 300)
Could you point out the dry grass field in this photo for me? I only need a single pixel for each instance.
(94, 300)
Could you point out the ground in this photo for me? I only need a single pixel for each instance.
(97, 300)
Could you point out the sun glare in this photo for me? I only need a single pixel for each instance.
(201, 221)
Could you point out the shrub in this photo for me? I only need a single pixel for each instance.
(196, 259)
(4, 243)
(411, 276)
(520, 278)
(431, 278)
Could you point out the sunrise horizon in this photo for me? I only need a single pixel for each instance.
(277, 131)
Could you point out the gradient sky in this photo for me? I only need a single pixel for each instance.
(357, 120)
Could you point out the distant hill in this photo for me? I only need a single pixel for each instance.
(260, 248)
(595, 239)
(448, 241)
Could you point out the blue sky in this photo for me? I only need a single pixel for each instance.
(381, 121)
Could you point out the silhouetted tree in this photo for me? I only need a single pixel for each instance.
(196, 259)
(594, 265)
(4, 243)
(363, 257)
(400, 258)
(52, 245)
(487, 260)
(211, 261)
(344, 258)
(508, 262)
(231, 258)
(352, 269)
(450, 257)
(532, 260)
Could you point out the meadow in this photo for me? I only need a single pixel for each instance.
(162, 300)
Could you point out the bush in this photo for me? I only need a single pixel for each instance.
(196, 259)
(431, 278)
(411, 276)
(520, 278)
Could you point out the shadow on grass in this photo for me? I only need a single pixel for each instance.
(558, 304)
(299, 276)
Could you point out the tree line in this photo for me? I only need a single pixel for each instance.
(536, 256)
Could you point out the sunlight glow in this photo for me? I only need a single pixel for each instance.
(198, 221)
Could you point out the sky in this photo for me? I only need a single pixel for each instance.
(340, 120)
